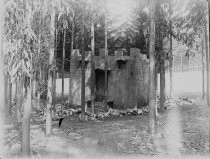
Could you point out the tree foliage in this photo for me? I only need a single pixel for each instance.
(190, 27)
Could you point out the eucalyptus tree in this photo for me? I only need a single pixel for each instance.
(52, 13)
(85, 18)
(92, 58)
(171, 50)
(72, 49)
(25, 49)
(39, 72)
(105, 60)
(162, 33)
(64, 9)
(2, 12)
(139, 33)
(94, 16)
(193, 26)
(19, 48)
(63, 58)
(152, 92)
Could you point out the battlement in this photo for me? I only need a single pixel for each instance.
(127, 77)
(112, 61)
(118, 54)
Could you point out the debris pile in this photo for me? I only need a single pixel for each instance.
(72, 110)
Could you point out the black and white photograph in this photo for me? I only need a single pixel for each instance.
(104, 79)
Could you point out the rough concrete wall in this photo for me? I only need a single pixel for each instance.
(75, 74)
(127, 86)
(132, 81)
(137, 83)
(143, 81)
(117, 86)
(117, 80)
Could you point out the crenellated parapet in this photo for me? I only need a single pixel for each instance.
(112, 61)
(127, 77)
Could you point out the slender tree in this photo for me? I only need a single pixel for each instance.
(105, 60)
(63, 59)
(19, 101)
(203, 70)
(171, 52)
(10, 98)
(6, 82)
(2, 5)
(39, 73)
(72, 49)
(152, 92)
(208, 56)
(207, 66)
(162, 83)
(92, 61)
(208, 61)
(83, 71)
(26, 120)
(54, 73)
(209, 49)
(161, 26)
(27, 105)
(50, 71)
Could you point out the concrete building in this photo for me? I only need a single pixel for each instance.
(128, 78)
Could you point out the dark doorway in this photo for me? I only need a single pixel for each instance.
(100, 84)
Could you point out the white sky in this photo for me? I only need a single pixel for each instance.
(120, 8)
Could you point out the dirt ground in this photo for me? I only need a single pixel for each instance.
(195, 128)
(180, 131)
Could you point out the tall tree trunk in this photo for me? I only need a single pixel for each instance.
(92, 68)
(72, 49)
(19, 101)
(26, 122)
(152, 92)
(63, 63)
(156, 89)
(171, 54)
(49, 102)
(162, 84)
(209, 49)
(25, 142)
(33, 86)
(207, 67)
(10, 98)
(39, 73)
(208, 61)
(181, 59)
(50, 77)
(105, 61)
(203, 72)
(6, 83)
(83, 73)
(2, 151)
(16, 92)
(55, 72)
(38, 89)
(7, 95)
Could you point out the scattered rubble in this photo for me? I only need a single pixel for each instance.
(101, 114)
(72, 110)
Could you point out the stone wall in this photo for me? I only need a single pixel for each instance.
(75, 74)
(127, 77)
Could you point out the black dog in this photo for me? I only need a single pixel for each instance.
(60, 121)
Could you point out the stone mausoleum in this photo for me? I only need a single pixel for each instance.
(128, 78)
